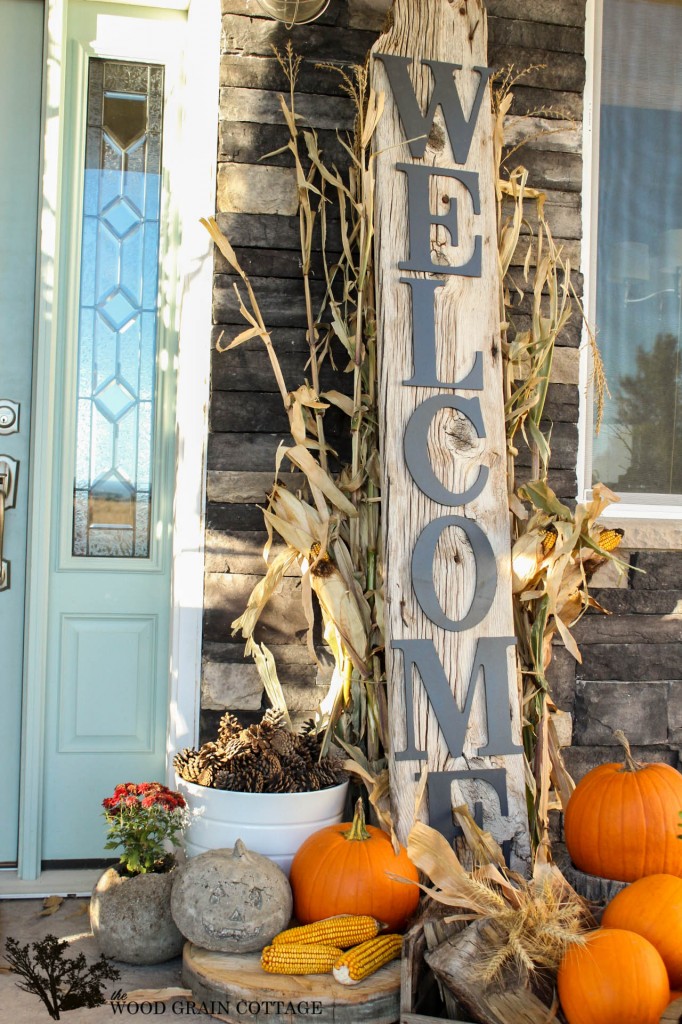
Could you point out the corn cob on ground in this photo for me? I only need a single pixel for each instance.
(365, 959)
(297, 959)
(342, 931)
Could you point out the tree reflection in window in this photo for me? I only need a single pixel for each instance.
(118, 311)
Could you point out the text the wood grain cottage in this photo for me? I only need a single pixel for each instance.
(450, 652)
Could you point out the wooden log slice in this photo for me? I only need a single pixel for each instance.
(672, 1013)
(233, 987)
(597, 890)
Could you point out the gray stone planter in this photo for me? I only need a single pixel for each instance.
(131, 917)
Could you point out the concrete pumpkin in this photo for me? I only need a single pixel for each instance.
(231, 901)
(131, 917)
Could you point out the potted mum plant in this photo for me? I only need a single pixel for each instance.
(130, 905)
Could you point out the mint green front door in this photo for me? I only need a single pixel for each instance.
(21, 45)
(107, 680)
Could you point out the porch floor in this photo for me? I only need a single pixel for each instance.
(21, 919)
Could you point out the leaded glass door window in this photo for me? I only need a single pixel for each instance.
(117, 319)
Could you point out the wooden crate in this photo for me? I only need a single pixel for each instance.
(420, 996)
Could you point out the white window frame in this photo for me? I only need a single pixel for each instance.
(641, 507)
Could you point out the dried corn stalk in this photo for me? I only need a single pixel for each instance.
(331, 529)
(555, 550)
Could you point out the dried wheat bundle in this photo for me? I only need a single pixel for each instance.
(530, 923)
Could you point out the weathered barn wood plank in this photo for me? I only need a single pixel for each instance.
(233, 517)
(331, 112)
(559, 171)
(266, 73)
(334, 15)
(256, 36)
(248, 142)
(558, 71)
(263, 412)
(466, 321)
(544, 133)
(550, 12)
(226, 597)
(528, 35)
(272, 231)
(532, 99)
(241, 486)
(256, 188)
(285, 263)
(239, 553)
(282, 302)
(249, 369)
(253, 453)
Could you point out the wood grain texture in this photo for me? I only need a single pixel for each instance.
(467, 320)
(233, 978)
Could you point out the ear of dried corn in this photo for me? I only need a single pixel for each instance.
(555, 550)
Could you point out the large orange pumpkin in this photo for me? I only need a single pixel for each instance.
(617, 977)
(344, 869)
(622, 820)
(652, 907)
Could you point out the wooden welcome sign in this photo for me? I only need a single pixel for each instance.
(452, 686)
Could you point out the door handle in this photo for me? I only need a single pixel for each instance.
(8, 494)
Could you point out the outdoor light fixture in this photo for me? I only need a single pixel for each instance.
(294, 12)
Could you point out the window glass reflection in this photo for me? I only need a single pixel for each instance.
(118, 311)
(639, 298)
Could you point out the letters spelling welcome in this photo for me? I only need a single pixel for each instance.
(491, 652)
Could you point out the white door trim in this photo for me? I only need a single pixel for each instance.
(193, 391)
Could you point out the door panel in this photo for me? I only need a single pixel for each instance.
(21, 44)
(109, 606)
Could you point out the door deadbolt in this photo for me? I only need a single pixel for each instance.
(9, 416)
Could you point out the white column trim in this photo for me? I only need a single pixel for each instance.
(196, 268)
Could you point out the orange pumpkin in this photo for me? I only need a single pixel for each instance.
(617, 977)
(344, 869)
(652, 907)
(622, 820)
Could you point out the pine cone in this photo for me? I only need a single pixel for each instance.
(228, 728)
(185, 764)
(206, 776)
(211, 755)
(284, 742)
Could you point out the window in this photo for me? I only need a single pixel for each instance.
(638, 310)
(118, 310)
